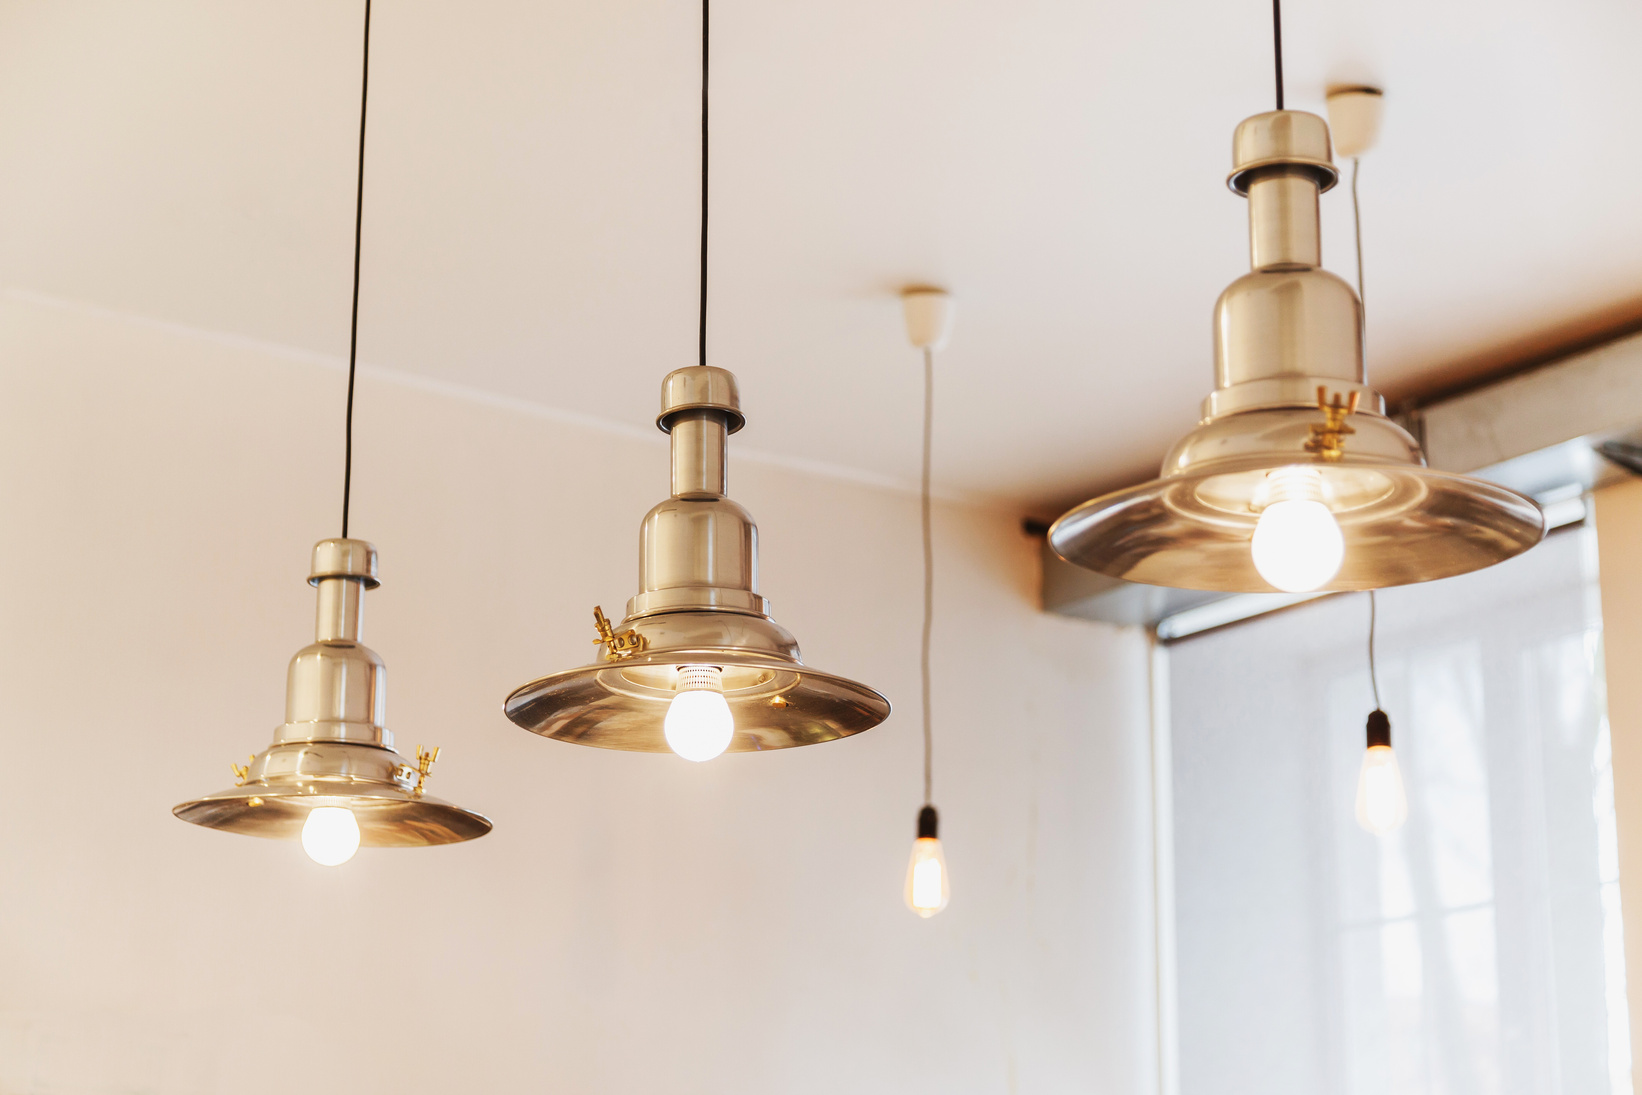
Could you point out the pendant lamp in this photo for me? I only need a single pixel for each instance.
(1295, 479)
(698, 666)
(1382, 803)
(332, 776)
(929, 315)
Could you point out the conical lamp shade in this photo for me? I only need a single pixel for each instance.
(334, 749)
(1290, 405)
(699, 606)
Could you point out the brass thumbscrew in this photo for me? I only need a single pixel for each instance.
(1328, 439)
(616, 645)
(424, 765)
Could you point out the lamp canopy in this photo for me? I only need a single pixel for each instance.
(1354, 118)
(698, 605)
(1290, 392)
(334, 748)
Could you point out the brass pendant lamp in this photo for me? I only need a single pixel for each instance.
(698, 666)
(332, 776)
(1295, 479)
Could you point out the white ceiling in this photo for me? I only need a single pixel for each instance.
(531, 197)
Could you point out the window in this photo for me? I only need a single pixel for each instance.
(1475, 951)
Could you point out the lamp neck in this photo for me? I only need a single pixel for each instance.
(1283, 224)
(1288, 327)
(341, 611)
(700, 442)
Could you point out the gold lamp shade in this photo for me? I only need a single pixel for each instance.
(698, 607)
(1291, 410)
(334, 749)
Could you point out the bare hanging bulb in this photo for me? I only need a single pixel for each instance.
(1382, 803)
(928, 314)
(928, 887)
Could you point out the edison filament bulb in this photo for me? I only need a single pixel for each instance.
(698, 725)
(1297, 544)
(927, 891)
(330, 836)
(928, 886)
(1382, 804)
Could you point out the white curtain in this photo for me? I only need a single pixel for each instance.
(1475, 951)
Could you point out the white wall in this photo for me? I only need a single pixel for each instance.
(635, 923)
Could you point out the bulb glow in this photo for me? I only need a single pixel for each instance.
(330, 836)
(699, 725)
(1381, 802)
(928, 888)
(1297, 544)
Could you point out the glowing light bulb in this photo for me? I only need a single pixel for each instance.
(1382, 804)
(928, 887)
(699, 725)
(330, 836)
(1297, 543)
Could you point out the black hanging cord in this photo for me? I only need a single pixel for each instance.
(704, 42)
(1373, 676)
(358, 225)
(929, 571)
(1277, 45)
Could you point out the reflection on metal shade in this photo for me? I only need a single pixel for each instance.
(1431, 525)
(698, 605)
(385, 821)
(785, 704)
(1290, 393)
(334, 749)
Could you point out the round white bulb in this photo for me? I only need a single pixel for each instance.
(699, 725)
(330, 836)
(1297, 545)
